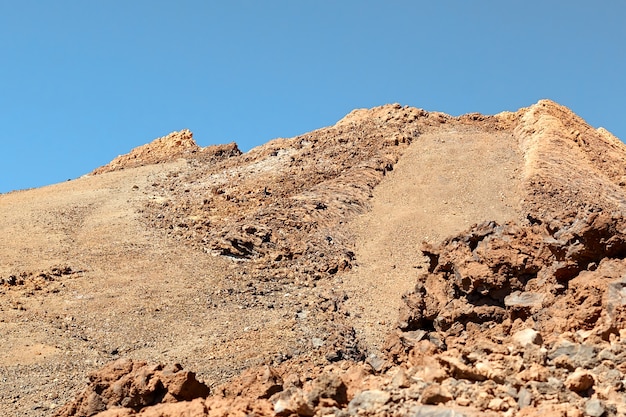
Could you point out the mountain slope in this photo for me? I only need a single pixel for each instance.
(296, 255)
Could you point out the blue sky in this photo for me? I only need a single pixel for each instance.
(84, 81)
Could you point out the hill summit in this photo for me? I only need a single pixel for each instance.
(399, 262)
(166, 149)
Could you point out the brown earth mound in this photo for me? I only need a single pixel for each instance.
(295, 256)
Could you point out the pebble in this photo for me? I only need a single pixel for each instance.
(528, 337)
(524, 398)
(375, 362)
(400, 379)
(435, 394)
(433, 411)
(524, 299)
(497, 404)
(580, 355)
(594, 408)
(317, 342)
(607, 355)
(282, 407)
(368, 400)
(580, 380)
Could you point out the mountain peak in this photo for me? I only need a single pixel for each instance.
(164, 149)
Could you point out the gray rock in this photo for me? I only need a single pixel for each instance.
(523, 299)
(615, 296)
(587, 356)
(535, 354)
(433, 411)
(550, 387)
(375, 362)
(612, 377)
(413, 337)
(607, 355)
(594, 408)
(436, 340)
(580, 355)
(524, 398)
(283, 407)
(555, 383)
(317, 342)
(368, 400)
(565, 347)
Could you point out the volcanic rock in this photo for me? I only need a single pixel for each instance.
(134, 385)
(579, 381)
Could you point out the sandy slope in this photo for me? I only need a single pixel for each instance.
(131, 293)
(138, 280)
(446, 181)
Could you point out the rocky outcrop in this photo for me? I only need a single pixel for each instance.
(497, 273)
(570, 167)
(529, 307)
(128, 386)
(169, 148)
(282, 205)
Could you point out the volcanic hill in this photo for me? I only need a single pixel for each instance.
(400, 262)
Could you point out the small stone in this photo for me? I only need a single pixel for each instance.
(282, 407)
(435, 394)
(555, 384)
(524, 299)
(594, 408)
(524, 398)
(433, 411)
(534, 354)
(580, 380)
(587, 356)
(463, 402)
(400, 380)
(317, 342)
(328, 386)
(528, 337)
(535, 372)
(607, 355)
(368, 400)
(498, 404)
(376, 363)
(564, 362)
(584, 355)
(564, 347)
(413, 337)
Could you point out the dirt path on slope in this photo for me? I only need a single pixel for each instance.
(444, 183)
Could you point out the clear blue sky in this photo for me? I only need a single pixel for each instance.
(84, 81)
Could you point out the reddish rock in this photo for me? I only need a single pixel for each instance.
(579, 381)
(134, 385)
(435, 394)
